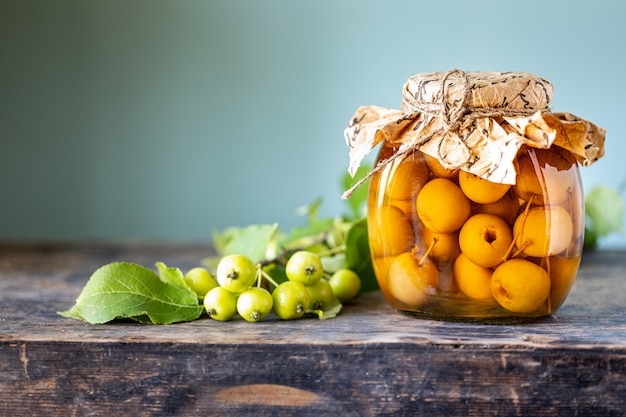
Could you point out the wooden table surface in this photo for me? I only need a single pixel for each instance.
(368, 361)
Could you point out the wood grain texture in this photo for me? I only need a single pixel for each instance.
(369, 361)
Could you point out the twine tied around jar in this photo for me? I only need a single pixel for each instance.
(455, 115)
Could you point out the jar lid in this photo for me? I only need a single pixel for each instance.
(474, 121)
(494, 90)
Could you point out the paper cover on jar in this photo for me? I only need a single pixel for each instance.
(474, 121)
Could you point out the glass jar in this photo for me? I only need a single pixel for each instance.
(475, 207)
(449, 244)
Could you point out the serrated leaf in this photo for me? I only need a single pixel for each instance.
(604, 207)
(358, 257)
(251, 241)
(125, 290)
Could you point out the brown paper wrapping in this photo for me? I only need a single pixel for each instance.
(475, 121)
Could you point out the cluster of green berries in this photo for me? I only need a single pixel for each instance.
(239, 287)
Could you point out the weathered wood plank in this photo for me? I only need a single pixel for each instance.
(365, 380)
(368, 361)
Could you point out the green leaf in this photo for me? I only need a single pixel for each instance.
(251, 241)
(604, 208)
(172, 276)
(590, 240)
(334, 263)
(306, 235)
(330, 312)
(358, 198)
(358, 257)
(311, 211)
(125, 290)
(221, 238)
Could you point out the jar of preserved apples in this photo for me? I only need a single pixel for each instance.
(475, 208)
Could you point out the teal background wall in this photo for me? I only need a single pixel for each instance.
(168, 119)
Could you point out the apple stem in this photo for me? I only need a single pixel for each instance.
(430, 248)
(527, 242)
(509, 250)
(261, 274)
